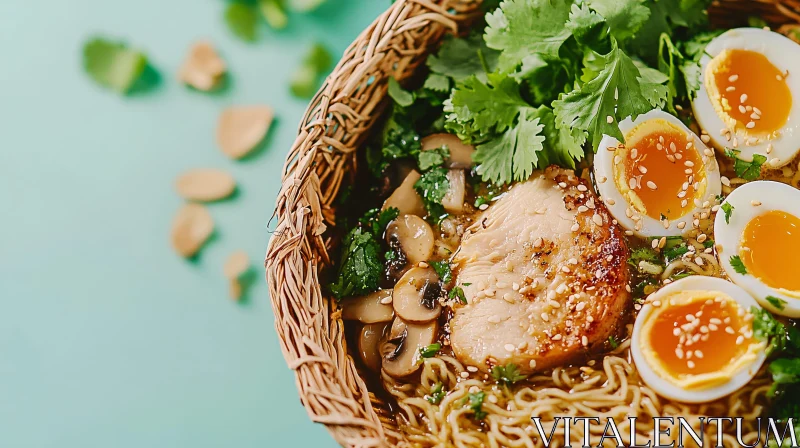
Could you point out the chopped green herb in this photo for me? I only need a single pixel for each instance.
(400, 96)
(437, 394)
(305, 79)
(432, 187)
(274, 12)
(507, 375)
(640, 254)
(376, 220)
(458, 293)
(242, 20)
(430, 351)
(113, 64)
(776, 302)
(476, 405)
(461, 58)
(613, 342)
(676, 252)
(682, 275)
(738, 265)
(360, 269)
(437, 83)
(432, 158)
(746, 170)
(768, 329)
(727, 208)
(442, 269)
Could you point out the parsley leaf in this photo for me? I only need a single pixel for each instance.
(513, 155)
(437, 394)
(507, 375)
(457, 293)
(738, 265)
(746, 170)
(624, 17)
(400, 96)
(113, 64)
(776, 302)
(242, 20)
(521, 27)
(590, 107)
(430, 351)
(442, 269)
(432, 187)
(316, 62)
(727, 208)
(476, 405)
(461, 58)
(360, 270)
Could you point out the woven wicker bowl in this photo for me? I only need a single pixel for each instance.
(337, 121)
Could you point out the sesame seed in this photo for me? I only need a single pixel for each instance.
(597, 219)
(679, 352)
(583, 209)
(642, 169)
(676, 331)
(748, 108)
(632, 183)
(483, 206)
(755, 116)
(679, 156)
(651, 185)
(742, 109)
(575, 227)
(509, 347)
(562, 184)
(779, 77)
(671, 158)
(602, 179)
(730, 89)
(690, 364)
(725, 181)
(750, 125)
(681, 225)
(743, 98)
(472, 369)
(739, 340)
(702, 238)
(556, 337)
(582, 187)
(672, 146)
(705, 138)
(729, 330)
(755, 203)
(688, 163)
(684, 203)
(545, 317)
(733, 78)
(609, 119)
(610, 201)
(584, 340)
(654, 244)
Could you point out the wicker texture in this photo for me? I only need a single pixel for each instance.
(335, 125)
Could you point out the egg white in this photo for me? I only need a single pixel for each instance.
(728, 236)
(604, 169)
(663, 387)
(784, 54)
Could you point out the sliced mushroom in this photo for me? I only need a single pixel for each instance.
(453, 201)
(460, 152)
(405, 197)
(401, 350)
(416, 295)
(369, 309)
(414, 235)
(369, 341)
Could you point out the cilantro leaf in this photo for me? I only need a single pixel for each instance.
(461, 58)
(457, 293)
(513, 155)
(432, 187)
(693, 50)
(642, 254)
(507, 375)
(400, 96)
(561, 146)
(590, 107)
(776, 302)
(587, 26)
(521, 27)
(768, 329)
(442, 269)
(437, 394)
(437, 83)
(360, 270)
(491, 107)
(432, 157)
(376, 220)
(746, 170)
(113, 64)
(476, 405)
(430, 351)
(727, 208)
(316, 62)
(624, 17)
(738, 265)
(242, 20)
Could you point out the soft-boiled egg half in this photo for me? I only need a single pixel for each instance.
(693, 341)
(659, 178)
(750, 94)
(758, 234)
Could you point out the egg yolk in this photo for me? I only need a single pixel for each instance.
(701, 336)
(770, 243)
(750, 91)
(662, 170)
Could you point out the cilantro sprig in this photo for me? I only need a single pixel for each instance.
(507, 374)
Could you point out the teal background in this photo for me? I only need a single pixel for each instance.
(107, 338)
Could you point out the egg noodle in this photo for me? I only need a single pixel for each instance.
(604, 387)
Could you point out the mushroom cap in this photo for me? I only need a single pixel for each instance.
(370, 308)
(453, 200)
(460, 152)
(369, 341)
(401, 350)
(414, 235)
(405, 198)
(416, 295)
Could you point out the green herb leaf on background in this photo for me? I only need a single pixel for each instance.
(274, 12)
(728, 209)
(507, 375)
(242, 20)
(430, 351)
(442, 269)
(113, 64)
(738, 265)
(317, 62)
(776, 302)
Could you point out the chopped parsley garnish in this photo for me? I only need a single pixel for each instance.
(432, 158)
(458, 293)
(437, 394)
(642, 254)
(613, 342)
(476, 405)
(113, 64)
(768, 329)
(432, 187)
(743, 169)
(376, 220)
(738, 265)
(727, 208)
(361, 268)
(776, 302)
(430, 351)
(507, 375)
(442, 269)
